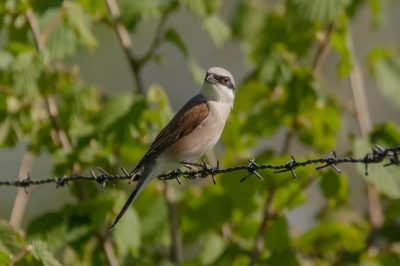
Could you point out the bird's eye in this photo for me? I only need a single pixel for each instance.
(225, 80)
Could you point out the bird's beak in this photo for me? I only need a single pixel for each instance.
(210, 79)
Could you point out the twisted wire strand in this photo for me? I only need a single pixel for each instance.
(377, 155)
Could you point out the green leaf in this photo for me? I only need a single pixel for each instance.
(316, 10)
(10, 132)
(319, 124)
(135, 10)
(61, 40)
(378, 18)
(341, 41)
(79, 21)
(247, 21)
(385, 64)
(386, 134)
(4, 258)
(11, 241)
(329, 237)
(384, 178)
(127, 234)
(301, 92)
(26, 70)
(121, 117)
(213, 245)
(202, 7)
(173, 36)
(276, 69)
(157, 98)
(196, 71)
(335, 188)
(277, 237)
(50, 228)
(217, 28)
(284, 258)
(41, 253)
(6, 59)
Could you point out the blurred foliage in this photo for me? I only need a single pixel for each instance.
(218, 224)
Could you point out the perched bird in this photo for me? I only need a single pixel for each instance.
(191, 133)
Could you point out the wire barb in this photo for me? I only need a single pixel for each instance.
(330, 161)
(290, 166)
(252, 167)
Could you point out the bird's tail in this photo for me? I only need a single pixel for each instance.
(147, 176)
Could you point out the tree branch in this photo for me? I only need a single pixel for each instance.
(156, 41)
(323, 50)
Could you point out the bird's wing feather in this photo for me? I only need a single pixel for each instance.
(188, 118)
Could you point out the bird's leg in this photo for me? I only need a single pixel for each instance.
(193, 170)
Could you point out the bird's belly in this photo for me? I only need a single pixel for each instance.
(197, 143)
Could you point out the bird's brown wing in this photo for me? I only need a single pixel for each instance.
(188, 118)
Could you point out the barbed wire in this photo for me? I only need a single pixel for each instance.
(377, 155)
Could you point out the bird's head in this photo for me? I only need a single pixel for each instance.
(219, 85)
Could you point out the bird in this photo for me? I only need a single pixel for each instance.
(190, 134)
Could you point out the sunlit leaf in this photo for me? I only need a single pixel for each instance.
(196, 71)
(133, 11)
(335, 187)
(212, 248)
(378, 16)
(50, 228)
(277, 236)
(316, 10)
(218, 30)
(26, 70)
(385, 64)
(78, 20)
(341, 41)
(127, 234)
(285, 258)
(61, 40)
(384, 178)
(328, 237)
(11, 241)
(173, 36)
(201, 7)
(5, 59)
(4, 258)
(41, 253)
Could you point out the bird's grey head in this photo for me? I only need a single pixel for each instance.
(219, 85)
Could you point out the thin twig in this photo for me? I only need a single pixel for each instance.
(126, 43)
(109, 251)
(323, 50)
(156, 41)
(53, 111)
(176, 245)
(20, 255)
(54, 21)
(259, 241)
(365, 124)
(21, 198)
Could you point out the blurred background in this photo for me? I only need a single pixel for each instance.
(297, 65)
